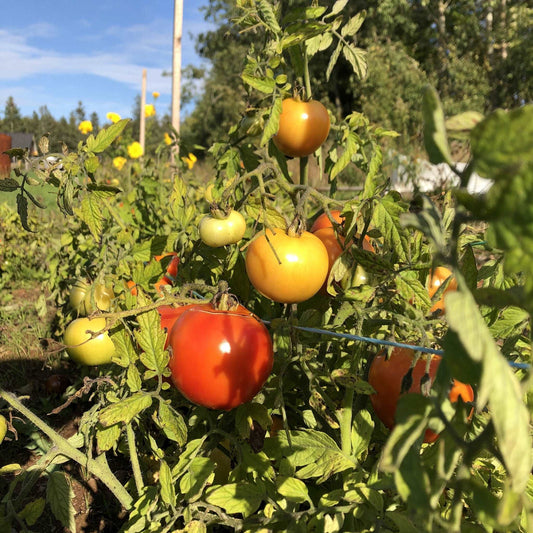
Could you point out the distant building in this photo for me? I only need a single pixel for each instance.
(25, 141)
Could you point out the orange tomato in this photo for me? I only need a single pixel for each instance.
(435, 279)
(303, 127)
(286, 268)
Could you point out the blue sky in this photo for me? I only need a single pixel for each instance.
(57, 53)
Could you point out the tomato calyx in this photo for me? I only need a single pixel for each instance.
(223, 300)
(296, 227)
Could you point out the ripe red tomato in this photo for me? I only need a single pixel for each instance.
(169, 315)
(220, 359)
(303, 127)
(435, 279)
(86, 350)
(217, 232)
(386, 377)
(294, 272)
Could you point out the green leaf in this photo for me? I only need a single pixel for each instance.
(314, 451)
(199, 473)
(501, 143)
(172, 423)
(351, 146)
(91, 213)
(168, 493)
(272, 124)
(362, 429)
(191, 450)
(353, 25)
(264, 85)
(125, 353)
(269, 16)
(236, 498)
(32, 511)
(133, 378)
(333, 59)
(338, 7)
(247, 413)
(459, 126)
(499, 387)
(386, 218)
(151, 339)
(125, 410)
(22, 209)
(91, 164)
(59, 495)
(303, 13)
(106, 136)
(107, 437)
(8, 184)
(435, 139)
(412, 482)
(269, 216)
(292, 489)
(412, 290)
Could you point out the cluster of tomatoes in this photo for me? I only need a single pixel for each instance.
(233, 349)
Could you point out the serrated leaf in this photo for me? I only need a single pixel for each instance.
(91, 213)
(191, 450)
(8, 184)
(362, 429)
(499, 387)
(511, 321)
(264, 85)
(59, 495)
(272, 124)
(267, 12)
(236, 498)
(314, 451)
(386, 218)
(172, 424)
(435, 140)
(133, 378)
(32, 511)
(106, 136)
(501, 143)
(333, 59)
(412, 290)
(168, 493)
(91, 164)
(303, 13)
(125, 410)
(151, 339)
(125, 353)
(107, 437)
(353, 25)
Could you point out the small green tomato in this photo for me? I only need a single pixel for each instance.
(86, 350)
(217, 232)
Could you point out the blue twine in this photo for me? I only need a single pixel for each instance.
(349, 336)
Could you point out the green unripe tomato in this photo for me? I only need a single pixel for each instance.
(3, 428)
(86, 299)
(86, 350)
(217, 232)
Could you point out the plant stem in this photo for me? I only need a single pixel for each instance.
(97, 467)
(345, 421)
(130, 434)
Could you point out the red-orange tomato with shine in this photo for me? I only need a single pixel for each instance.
(386, 377)
(285, 268)
(220, 359)
(169, 315)
(303, 127)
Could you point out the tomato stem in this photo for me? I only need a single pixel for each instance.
(134, 458)
(97, 467)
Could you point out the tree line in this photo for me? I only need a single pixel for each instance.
(477, 53)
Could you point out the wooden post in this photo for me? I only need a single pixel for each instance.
(176, 64)
(142, 127)
(5, 160)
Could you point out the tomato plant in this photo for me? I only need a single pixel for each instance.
(218, 231)
(386, 376)
(85, 298)
(303, 127)
(287, 268)
(83, 347)
(3, 428)
(220, 358)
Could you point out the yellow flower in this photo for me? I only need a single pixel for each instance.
(155, 94)
(149, 110)
(113, 117)
(135, 150)
(190, 160)
(119, 162)
(167, 138)
(85, 127)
